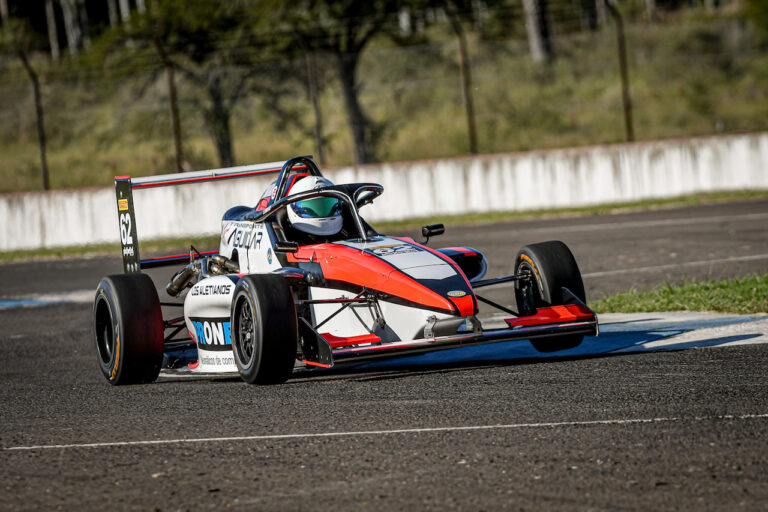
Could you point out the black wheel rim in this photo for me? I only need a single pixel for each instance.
(105, 338)
(245, 342)
(528, 289)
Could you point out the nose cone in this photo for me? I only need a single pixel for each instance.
(414, 271)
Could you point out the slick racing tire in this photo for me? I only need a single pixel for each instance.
(128, 329)
(551, 267)
(264, 329)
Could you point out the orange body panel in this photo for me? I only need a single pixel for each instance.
(553, 315)
(350, 265)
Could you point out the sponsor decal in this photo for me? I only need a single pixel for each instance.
(217, 360)
(122, 204)
(116, 365)
(213, 333)
(392, 250)
(269, 255)
(211, 289)
(125, 230)
(457, 293)
(245, 238)
(225, 233)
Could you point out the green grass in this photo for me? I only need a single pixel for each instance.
(748, 295)
(696, 76)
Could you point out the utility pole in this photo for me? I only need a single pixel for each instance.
(622, 50)
(466, 76)
(53, 33)
(312, 89)
(39, 114)
(173, 100)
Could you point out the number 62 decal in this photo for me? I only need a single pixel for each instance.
(125, 229)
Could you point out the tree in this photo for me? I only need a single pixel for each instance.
(454, 10)
(71, 26)
(76, 25)
(342, 29)
(125, 11)
(112, 10)
(156, 30)
(173, 102)
(537, 26)
(212, 45)
(312, 92)
(592, 13)
(53, 33)
(19, 40)
(460, 13)
(756, 12)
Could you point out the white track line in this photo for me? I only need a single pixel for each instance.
(733, 259)
(73, 296)
(388, 432)
(632, 224)
(561, 228)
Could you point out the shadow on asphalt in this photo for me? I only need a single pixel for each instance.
(625, 338)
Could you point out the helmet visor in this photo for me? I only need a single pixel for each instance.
(317, 208)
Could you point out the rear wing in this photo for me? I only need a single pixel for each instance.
(126, 214)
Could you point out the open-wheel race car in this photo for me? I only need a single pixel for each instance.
(302, 276)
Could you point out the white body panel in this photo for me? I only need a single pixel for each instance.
(402, 322)
(250, 240)
(208, 304)
(412, 261)
(207, 315)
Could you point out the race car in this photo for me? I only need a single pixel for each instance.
(301, 280)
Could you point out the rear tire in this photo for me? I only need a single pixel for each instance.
(264, 329)
(552, 267)
(128, 329)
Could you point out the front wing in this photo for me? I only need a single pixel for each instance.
(572, 319)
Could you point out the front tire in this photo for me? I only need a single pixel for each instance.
(550, 267)
(128, 329)
(264, 329)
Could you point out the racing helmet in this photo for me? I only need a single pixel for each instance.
(317, 216)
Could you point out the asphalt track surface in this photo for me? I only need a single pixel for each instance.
(676, 429)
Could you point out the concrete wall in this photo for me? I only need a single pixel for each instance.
(515, 181)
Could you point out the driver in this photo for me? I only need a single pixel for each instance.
(318, 216)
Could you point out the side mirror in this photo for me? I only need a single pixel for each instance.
(285, 246)
(431, 230)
